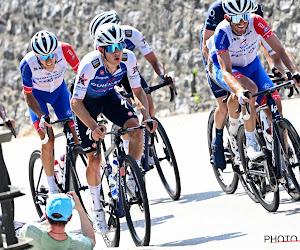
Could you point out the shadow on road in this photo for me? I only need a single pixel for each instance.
(188, 198)
(205, 239)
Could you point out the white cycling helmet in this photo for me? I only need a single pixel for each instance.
(236, 7)
(102, 18)
(44, 43)
(108, 34)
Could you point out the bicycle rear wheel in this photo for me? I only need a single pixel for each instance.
(136, 206)
(38, 182)
(165, 162)
(292, 161)
(265, 189)
(227, 179)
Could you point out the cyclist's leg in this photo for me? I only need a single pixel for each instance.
(47, 155)
(93, 176)
(63, 109)
(122, 114)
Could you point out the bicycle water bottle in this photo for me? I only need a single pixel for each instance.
(112, 181)
(114, 167)
(58, 173)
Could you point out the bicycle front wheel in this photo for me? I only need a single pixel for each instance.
(292, 160)
(79, 182)
(165, 162)
(227, 179)
(136, 206)
(265, 189)
(38, 182)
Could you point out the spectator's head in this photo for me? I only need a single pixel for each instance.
(102, 18)
(59, 209)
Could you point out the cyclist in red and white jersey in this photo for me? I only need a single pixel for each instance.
(98, 73)
(42, 72)
(236, 66)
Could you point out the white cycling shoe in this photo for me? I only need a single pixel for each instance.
(99, 222)
(253, 152)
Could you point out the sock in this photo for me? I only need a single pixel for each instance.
(233, 127)
(95, 193)
(139, 163)
(219, 135)
(250, 137)
(126, 145)
(52, 185)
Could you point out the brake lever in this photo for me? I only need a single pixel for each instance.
(9, 124)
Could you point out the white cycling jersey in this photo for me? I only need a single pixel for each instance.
(242, 49)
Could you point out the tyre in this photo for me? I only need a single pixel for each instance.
(227, 179)
(165, 162)
(112, 238)
(38, 182)
(135, 205)
(287, 131)
(79, 182)
(243, 180)
(262, 187)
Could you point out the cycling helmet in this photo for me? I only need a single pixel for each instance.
(44, 43)
(105, 17)
(236, 7)
(108, 34)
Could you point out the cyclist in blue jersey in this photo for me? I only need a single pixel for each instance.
(236, 66)
(42, 72)
(133, 39)
(94, 93)
(215, 16)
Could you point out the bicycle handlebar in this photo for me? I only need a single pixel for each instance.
(9, 124)
(167, 81)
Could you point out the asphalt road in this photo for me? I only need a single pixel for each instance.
(204, 217)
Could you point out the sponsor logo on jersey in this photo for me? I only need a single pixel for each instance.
(135, 69)
(96, 63)
(128, 33)
(82, 80)
(101, 77)
(130, 113)
(124, 57)
(70, 52)
(266, 29)
(261, 25)
(94, 145)
(143, 40)
(101, 72)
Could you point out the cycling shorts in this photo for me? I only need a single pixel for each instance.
(113, 106)
(216, 89)
(254, 71)
(125, 83)
(59, 100)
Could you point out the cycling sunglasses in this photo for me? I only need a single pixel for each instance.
(44, 58)
(113, 47)
(237, 18)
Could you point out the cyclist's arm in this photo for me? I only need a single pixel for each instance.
(141, 101)
(226, 67)
(70, 55)
(206, 35)
(156, 64)
(33, 104)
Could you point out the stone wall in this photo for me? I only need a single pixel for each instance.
(171, 28)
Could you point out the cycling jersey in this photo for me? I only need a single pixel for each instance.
(242, 49)
(49, 87)
(35, 77)
(94, 81)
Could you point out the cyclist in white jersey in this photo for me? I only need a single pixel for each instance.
(42, 72)
(236, 66)
(94, 93)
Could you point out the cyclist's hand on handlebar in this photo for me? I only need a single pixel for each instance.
(7, 125)
(244, 96)
(45, 122)
(151, 125)
(166, 77)
(99, 133)
(296, 78)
